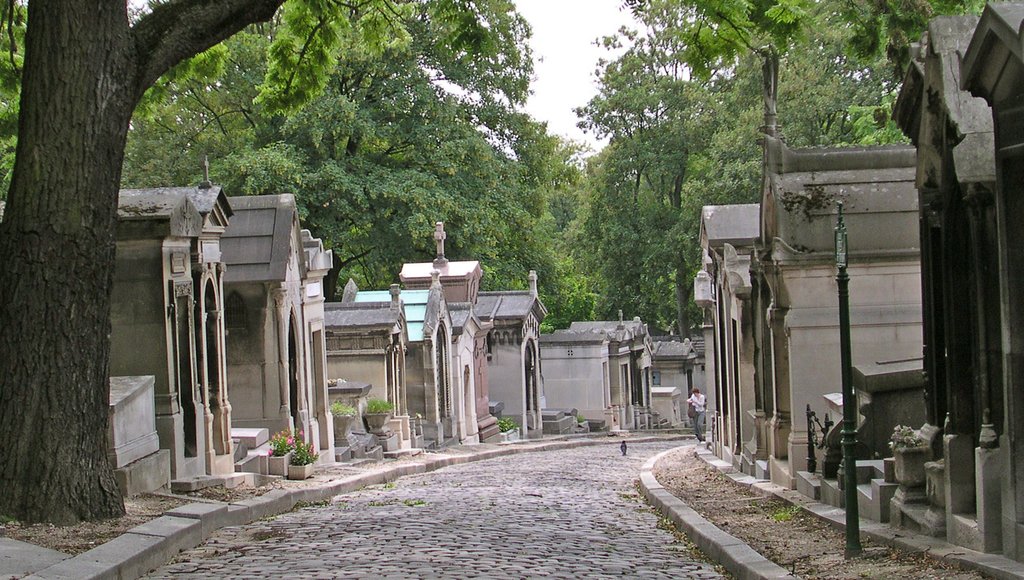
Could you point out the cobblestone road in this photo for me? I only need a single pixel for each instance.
(563, 514)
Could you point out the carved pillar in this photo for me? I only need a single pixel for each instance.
(281, 316)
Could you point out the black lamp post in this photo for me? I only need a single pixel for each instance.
(849, 431)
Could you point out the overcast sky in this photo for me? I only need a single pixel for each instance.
(565, 57)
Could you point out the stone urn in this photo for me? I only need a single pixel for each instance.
(377, 423)
(343, 427)
(910, 471)
(278, 464)
(300, 471)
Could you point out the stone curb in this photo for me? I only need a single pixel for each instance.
(737, 557)
(994, 565)
(153, 544)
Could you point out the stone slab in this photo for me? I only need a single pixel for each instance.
(148, 474)
(195, 483)
(19, 558)
(808, 484)
(252, 437)
(269, 504)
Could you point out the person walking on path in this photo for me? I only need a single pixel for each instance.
(697, 400)
(622, 447)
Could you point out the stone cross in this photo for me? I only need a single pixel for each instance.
(439, 237)
(206, 184)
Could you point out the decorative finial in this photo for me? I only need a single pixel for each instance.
(533, 283)
(439, 237)
(435, 278)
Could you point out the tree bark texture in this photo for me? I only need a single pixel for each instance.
(85, 70)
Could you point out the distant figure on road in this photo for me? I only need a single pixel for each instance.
(697, 401)
(622, 447)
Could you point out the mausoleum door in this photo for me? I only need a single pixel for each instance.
(212, 357)
(293, 376)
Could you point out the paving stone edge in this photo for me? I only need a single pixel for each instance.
(148, 552)
(994, 565)
(736, 556)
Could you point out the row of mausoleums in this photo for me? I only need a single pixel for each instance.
(222, 336)
(216, 296)
(936, 275)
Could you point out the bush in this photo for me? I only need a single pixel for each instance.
(581, 419)
(339, 409)
(506, 424)
(379, 407)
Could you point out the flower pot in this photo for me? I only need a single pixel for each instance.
(300, 471)
(377, 423)
(278, 464)
(910, 462)
(342, 427)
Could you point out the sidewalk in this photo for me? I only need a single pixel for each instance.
(156, 542)
(743, 562)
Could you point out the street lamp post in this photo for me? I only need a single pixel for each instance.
(849, 431)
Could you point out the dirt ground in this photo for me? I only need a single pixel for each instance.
(86, 536)
(784, 534)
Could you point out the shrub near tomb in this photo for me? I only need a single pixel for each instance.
(506, 424)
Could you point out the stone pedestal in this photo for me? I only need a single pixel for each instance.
(988, 473)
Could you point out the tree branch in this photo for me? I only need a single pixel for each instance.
(180, 29)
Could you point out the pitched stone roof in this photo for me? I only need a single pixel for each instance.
(339, 316)
(509, 305)
(567, 336)
(258, 240)
(738, 224)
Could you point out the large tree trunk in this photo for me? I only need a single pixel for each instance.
(57, 243)
(85, 70)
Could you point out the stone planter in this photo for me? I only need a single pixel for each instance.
(279, 465)
(300, 471)
(510, 436)
(910, 462)
(342, 427)
(377, 423)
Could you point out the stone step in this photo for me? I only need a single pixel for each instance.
(252, 437)
(402, 453)
(241, 449)
(831, 494)
(873, 499)
(808, 484)
(253, 463)
(196, 483)
(868, 469)
(761, 470)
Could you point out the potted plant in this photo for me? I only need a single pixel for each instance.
(910, 453)
(303, 459)
(282, 445)
(378, 413)
(344, 417)
(509, 429)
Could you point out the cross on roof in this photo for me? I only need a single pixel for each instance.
(439, 237)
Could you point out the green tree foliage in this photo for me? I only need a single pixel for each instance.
(678, 142)
(419, 131)
(889, 26)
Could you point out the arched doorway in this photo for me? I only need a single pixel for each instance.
(186, 373)
(212, 356)
(532, 396)
(468, 401)
(444, 391)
